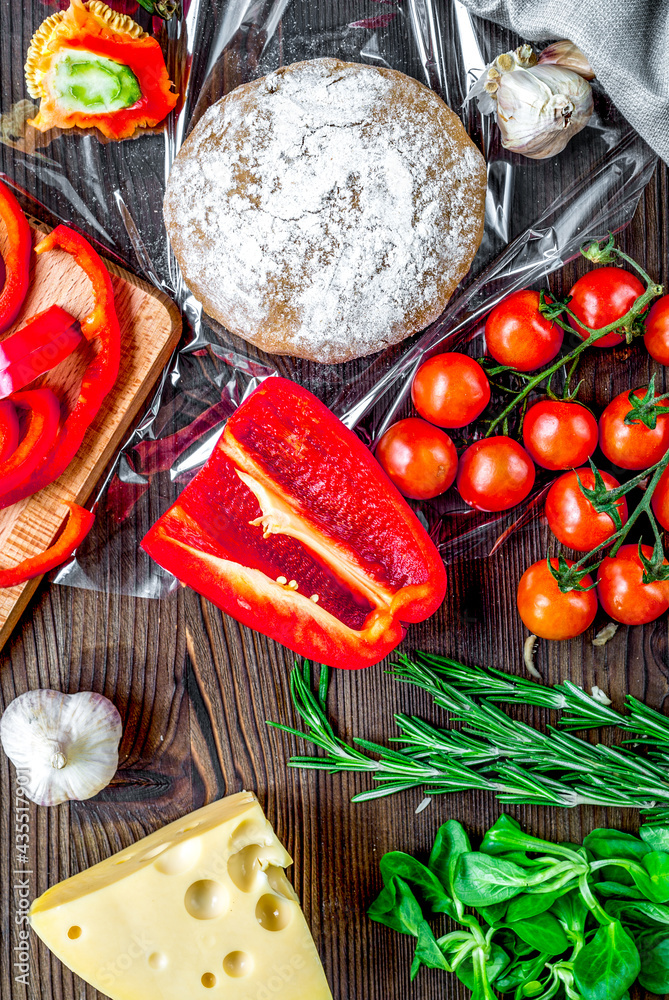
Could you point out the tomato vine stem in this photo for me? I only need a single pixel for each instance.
(601, 254)
(643, 507)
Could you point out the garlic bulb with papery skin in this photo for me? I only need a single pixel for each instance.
(541, 108)
(569, 56)
(485, 88)
(64, 746)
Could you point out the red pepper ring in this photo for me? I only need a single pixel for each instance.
(46, 340)
(100, 376)
(9, 429)
(17, 258)
(79, 523)
(43, 419)
(72, 242)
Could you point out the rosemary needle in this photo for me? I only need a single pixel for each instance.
(484, 748)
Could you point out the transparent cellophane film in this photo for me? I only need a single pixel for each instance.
(538, 214)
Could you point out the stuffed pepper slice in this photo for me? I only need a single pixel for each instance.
(293, 529)
(95, 68)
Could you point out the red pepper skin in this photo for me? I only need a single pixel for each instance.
(43, 343)
(100, 376)
(17, 259)
(290, 495)
(9, 430)
(43, 419)
(79, 29)
(79, 523)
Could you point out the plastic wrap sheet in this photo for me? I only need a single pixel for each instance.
(537, 215)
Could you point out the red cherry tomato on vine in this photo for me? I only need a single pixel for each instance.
(656, 337)
(450, 390)
(559, 434)
(572, 518)
(418, 458)
(549, 613)
(495, 474)
(600, 297)
(622, 592)
(632, 446)
(660, 500)
(516, 333)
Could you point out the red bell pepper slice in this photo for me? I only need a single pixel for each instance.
(45, 341)
(43, 419)
(17, 258)
(293, 529)
(9, 429)
(78, 525)
(99, 377)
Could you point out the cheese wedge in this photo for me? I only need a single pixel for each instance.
(199, 909)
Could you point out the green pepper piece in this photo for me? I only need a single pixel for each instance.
(86, 82)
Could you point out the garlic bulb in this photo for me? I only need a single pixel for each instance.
(485, 88)
(569, 56)
(539, 105)
(64, 746)
(541, 108)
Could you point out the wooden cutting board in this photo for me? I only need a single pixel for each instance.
(150, 329)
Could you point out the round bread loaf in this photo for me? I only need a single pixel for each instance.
(326, 210)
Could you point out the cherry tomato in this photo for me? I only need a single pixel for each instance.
(548, 612)
(572, 518)
(516, 333)
(656, 337)
(632, 446)
(600, 297)
(450, 390)
(418, 458)
(660, 500)
(558, 434)
(622, 593)
(495, 474)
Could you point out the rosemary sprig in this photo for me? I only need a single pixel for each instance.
(486, 749)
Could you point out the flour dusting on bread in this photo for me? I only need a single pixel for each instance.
(326, 210)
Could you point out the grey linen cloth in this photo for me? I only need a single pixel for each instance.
(626, 42)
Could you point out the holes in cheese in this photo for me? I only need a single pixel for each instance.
(208, 980)
(171, 912)
(244, 866)
(238, 964)
(278, 881)
(205, 899)
(74, 933)
(248, 832)
(180, 858)
(154, 852)
(273, 913)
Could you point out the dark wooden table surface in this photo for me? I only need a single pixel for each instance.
(194, 689)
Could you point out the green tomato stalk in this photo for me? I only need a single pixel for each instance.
(629, 325)
(603, 500)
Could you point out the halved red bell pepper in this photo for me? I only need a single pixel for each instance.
(9, 429)
(78, 525)
(46, 340)
(43, 419)
(16, 259)
(100, 376)
(293, 529)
